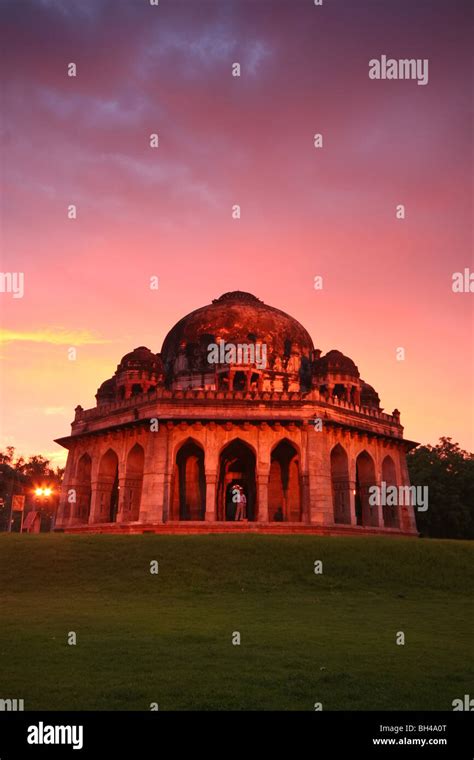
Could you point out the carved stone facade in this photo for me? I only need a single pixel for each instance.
(174, 440)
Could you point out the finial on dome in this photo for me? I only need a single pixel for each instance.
(237, 295)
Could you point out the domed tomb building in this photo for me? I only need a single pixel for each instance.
(237, 407)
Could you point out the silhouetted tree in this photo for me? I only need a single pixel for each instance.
(21, 476)
(448, 471)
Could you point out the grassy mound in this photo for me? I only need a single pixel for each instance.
(167, 638)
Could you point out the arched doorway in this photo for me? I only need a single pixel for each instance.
(236, 475)
(391, 518)
(240, 381)
(108, 487)
(132, 487)
(340, 485)
(365, 478)
(284, 491)
(83, 489)
(189, 483)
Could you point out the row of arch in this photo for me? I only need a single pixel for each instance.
(236, 476)
(110, 498)
(365, 513)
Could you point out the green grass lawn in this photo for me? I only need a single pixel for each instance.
(167, 638)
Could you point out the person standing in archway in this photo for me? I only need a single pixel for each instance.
(241, 512)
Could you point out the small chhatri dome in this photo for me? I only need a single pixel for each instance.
(369, 395)
(335, 361)
(107, 390)
(138, 358)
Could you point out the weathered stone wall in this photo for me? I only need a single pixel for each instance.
(160, 450)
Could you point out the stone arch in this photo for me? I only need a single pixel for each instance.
(238, 439)
(188, 501)
(183, 441)
(133, 484)
(340, 483)
(289, 442)
(391, 518)
(81, 512)
(365, 478)
(108, 487)
(236, 475)
(284, 483)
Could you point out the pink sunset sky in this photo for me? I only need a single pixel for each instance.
(225, 140)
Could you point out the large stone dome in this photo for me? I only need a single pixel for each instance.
(238, 317)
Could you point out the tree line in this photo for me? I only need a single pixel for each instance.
(448, 471)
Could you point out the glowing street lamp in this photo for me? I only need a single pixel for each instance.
(43, 491)
(42, 494)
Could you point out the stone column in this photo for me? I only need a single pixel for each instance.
(377, 518)
(305, 504)
(65, 509)
(123, 499)
(211, 481)
(153, 496)
(212, 442)
(262, 469)
(320, 486)
(79, 507)
(262, 492)
(352, 486)
(305, 493)
(352, 508)
(168, 493)
(100, 489)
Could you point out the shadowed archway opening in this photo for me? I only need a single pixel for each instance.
(132, 487)
(284, 490)
(108, 487)
(189, 490)
(236, 474)
(240, 381)
(83, 487)
(365, 478)
(391, 517)
(340, 485)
